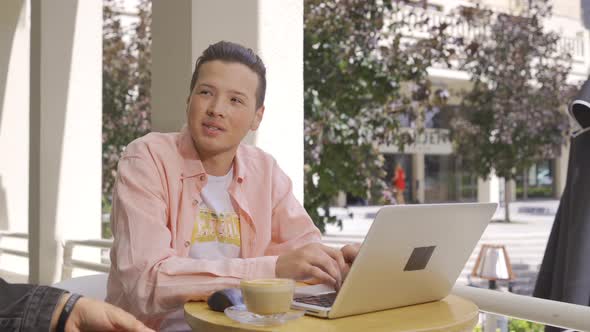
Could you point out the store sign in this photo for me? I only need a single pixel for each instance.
(430, 141)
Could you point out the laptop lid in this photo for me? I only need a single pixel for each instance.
(411, 254)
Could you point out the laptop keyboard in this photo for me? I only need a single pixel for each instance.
(323, 300)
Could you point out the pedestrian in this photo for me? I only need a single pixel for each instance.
(399, 183)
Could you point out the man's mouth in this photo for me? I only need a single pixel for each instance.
(212, 128)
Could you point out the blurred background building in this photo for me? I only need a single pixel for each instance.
(435, 174)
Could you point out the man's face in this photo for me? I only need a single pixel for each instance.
(222, 107)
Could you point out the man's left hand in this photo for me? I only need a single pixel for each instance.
(349, 252)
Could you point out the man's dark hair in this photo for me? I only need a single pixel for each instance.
(232, 52)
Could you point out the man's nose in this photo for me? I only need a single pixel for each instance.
(216, 108)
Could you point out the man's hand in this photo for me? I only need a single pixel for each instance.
(314, 260)
(350, 251)
(92, 315)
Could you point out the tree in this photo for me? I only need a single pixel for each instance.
(361, 70)
(126, 84)
(514, 113)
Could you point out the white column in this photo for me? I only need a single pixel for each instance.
(488, 190)
(512, 185)
(65, 136)
(172, 62)
(14, 127)
(281, 46)
(418, 177)
(273, 29)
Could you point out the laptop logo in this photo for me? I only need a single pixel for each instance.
(419, 258)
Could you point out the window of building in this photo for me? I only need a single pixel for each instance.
(537, 182)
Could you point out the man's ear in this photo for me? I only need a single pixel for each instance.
(257, 118)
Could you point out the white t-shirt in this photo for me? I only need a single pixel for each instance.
(216, 234)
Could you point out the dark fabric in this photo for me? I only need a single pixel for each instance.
(582, 115)
(27, 308)
(579, 108)
(565, 272)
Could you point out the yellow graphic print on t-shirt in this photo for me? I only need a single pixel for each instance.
(213, 227)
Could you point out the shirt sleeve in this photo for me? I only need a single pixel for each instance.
(153, 279)
(292, 226)
(27, 308)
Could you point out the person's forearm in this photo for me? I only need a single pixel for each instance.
(28, 306)
(57, 311)
(180, 279)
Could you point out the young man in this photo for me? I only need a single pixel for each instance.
(196, 211)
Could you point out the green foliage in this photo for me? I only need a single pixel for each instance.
(518, 325)
(514, 114)
(536, 192)
(360, 75)
(126, 85)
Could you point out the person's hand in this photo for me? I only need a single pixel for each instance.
(92, 315)
(350, 251)
(314, 260)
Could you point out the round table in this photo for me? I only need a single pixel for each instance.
(452, 313)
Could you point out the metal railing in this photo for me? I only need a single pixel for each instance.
(10, 251)
(69, 263)
(560, 314)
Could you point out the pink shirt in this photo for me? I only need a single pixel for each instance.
(155, 204)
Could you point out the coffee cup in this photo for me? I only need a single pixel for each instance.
(268, 296)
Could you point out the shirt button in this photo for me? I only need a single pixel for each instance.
(186, 244)
(195, 202)
(239, 180)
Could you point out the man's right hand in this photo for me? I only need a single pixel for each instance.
(92, 315)
(314, 260)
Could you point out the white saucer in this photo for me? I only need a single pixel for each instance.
(240, 314)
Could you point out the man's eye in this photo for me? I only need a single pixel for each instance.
(236, 100)
(204, 92)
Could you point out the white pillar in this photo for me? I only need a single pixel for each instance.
(489, 190)
(273, 29)
(512, 188)
(281, 46)
(14, 127)
(65, 134)
(418, 177)
(172, 62)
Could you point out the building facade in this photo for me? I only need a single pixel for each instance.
(434, 172)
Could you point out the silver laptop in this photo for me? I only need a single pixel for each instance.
(412, 254)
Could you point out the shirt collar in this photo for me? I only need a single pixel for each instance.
(192, 162)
